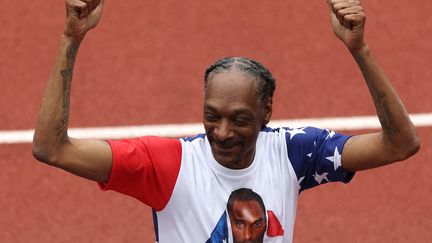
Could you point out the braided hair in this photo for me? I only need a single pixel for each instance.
(266, 82)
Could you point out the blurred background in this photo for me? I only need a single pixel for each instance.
(144, 64)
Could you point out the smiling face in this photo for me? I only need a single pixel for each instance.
(233, 117)
(248, 222)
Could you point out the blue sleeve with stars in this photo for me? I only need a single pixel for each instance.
(315, 155)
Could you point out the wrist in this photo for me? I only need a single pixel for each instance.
(360, 51)
(72, 39)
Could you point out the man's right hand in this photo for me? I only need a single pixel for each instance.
(82, 16)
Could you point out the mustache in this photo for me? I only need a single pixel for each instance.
(228, 143)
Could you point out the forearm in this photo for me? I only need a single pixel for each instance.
(397, 129)
(53, 118)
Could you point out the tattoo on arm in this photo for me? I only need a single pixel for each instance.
(66, 74)
(384, 115)
(381, 101)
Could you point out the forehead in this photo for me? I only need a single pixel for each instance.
(247, 209)
(231, 87)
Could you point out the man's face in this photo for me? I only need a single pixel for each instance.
(247, 222)
(233, 117)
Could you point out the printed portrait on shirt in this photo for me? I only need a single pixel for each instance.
(247, 216)
(247, 219)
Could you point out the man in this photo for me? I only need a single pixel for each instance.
(190, 180)
(247, 216)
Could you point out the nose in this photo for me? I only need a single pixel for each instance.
(247, 233)
(223, 130)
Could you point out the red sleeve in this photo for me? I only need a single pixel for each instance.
(145, 168)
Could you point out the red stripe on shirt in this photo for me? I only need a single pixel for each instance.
(145, 168)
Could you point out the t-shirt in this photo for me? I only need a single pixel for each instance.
(189, 190)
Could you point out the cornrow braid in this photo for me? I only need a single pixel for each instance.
(267, 83)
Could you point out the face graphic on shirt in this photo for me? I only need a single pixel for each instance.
(247, 217)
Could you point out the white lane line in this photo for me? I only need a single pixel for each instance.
(180, 130)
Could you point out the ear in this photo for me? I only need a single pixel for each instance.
(268, 111)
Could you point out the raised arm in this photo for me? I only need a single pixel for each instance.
(397, 139)
(90, 159)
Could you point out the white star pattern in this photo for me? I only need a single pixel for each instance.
(223, 241)
(309, 155)
(296, 131)
(301, 179)
(330, 134)
(320, 178)
(336, 159)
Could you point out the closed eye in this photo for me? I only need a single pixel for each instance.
(210, 116)
(242, 120)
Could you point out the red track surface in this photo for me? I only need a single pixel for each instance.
(144, 64)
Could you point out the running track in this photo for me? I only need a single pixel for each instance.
(144, 65)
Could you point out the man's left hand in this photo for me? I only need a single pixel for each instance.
(348, 20)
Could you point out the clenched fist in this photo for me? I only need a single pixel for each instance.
(82, 16)
(348, 20)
